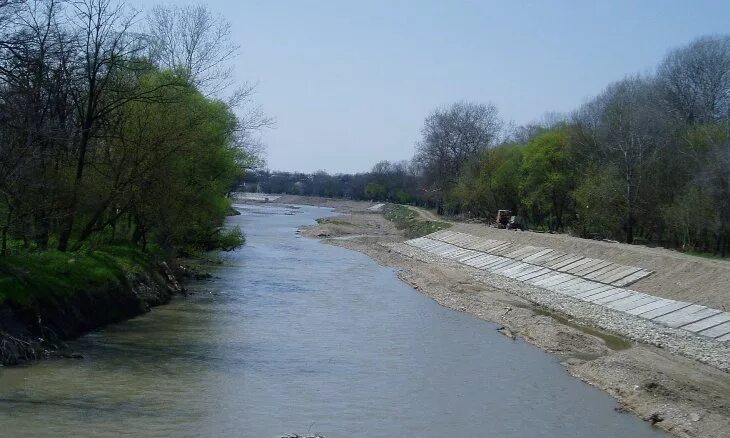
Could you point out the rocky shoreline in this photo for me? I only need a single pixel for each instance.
(29, 333)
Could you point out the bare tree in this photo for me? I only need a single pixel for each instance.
(695, 80)
(625, 131)
(451, 137)
(194, 40)
(102, 37)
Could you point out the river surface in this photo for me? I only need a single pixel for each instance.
(296, 336)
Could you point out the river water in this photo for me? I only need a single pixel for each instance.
(296, 336)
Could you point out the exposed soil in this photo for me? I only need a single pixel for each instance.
(677, 394)
(30, 333)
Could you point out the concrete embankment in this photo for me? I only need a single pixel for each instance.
(38, 330)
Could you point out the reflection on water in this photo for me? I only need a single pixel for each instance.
(293, 336)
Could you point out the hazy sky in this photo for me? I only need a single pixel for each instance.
(350, 83)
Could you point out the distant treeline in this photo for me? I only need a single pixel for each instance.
(109, 128)
(646, 160)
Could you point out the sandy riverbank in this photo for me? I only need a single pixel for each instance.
(680, 395)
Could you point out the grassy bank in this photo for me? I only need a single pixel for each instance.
(408, 220)
(53, 276)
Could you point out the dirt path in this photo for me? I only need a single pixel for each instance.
(428, 215)
(682, 396)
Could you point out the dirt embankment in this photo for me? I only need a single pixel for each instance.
(684, 397)
(29, 333)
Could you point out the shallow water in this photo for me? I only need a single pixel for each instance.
(295, 336)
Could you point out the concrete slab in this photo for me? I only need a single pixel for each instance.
(707, 323)
(633, 278)
(442, 237)
(538, 280)
(581, 266)
(724, 338)
(435, 244)
(442, 251)
(587, 270)
(585, 286)
(493, 261)
(459, 252)
(560, 278)
(478, 260)
(564, 287)
(538, 250)
(573, 282)
(469, 256)
(547, 258)
(579, 263)
(501, 249)
(461, 240)
(631, 303)
(604, 294)
(537, 255)
(615, 297)
(541, 271)
(717, 331)
(664, 310)
(523, 269)
(584, 295)
(506, 268)
(610, 278)
(562, 261)
(488, 244)
(519, 251)
(686, 316)
(595, 274)
(533, 250)
(452, 250)
(651, 306)
(515, 274)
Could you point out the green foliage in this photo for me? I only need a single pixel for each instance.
(689, 216)
(488, 184)
(51, 276)
(376, 191)
(599, 204)
(547, 179)
(408, 220)
(229, 239)
(332, 220)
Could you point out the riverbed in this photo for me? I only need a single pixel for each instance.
(295, 336)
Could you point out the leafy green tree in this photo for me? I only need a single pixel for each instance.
(375, 191)
(547, 178)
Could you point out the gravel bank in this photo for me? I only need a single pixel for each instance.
(666, 376)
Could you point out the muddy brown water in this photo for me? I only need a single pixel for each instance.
(295, 336)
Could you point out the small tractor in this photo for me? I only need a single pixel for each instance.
(503, 217)
(505, 220)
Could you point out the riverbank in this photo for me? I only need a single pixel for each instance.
(676, 393)
(49, 298)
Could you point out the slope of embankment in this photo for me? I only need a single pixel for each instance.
(50, 297)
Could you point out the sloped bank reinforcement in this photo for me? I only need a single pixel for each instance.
(592, 290)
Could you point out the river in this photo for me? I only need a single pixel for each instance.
(295, 336)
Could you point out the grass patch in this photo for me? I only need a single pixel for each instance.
(406, 219)
(53, 276)
(612, 341)
(333, 221)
